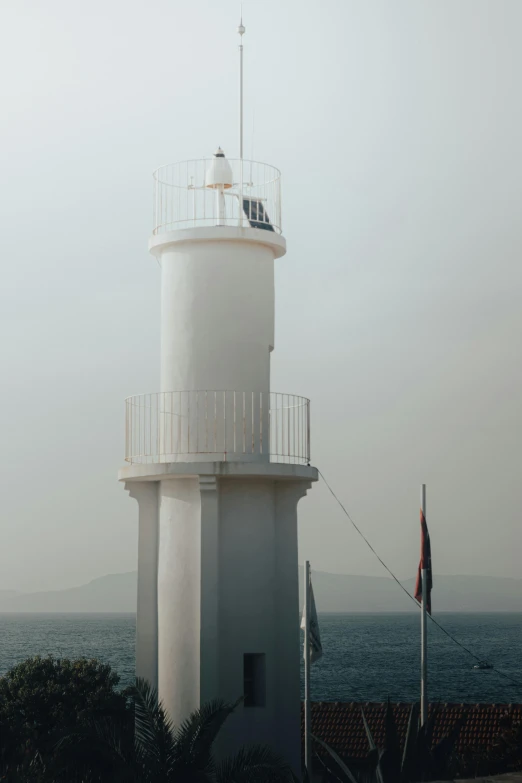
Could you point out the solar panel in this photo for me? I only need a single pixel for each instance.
(256, 214)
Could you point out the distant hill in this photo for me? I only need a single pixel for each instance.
(112, 593)
(333, 593)
(343, 593)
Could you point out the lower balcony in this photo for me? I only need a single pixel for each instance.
(225, 426)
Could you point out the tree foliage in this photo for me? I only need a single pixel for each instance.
(41, 697)
(158, 752)
(65, 721)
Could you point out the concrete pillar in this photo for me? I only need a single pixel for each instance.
(209, 632)
(146, 493)
(287, 621)
(179, 596)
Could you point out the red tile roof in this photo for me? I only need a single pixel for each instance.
(340, 724)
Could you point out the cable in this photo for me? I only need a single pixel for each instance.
(410, 596)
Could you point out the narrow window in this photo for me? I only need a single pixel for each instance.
(254, 680)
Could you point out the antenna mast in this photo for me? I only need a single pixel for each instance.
(241, 31)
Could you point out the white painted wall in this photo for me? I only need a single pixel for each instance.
(286, 627)
(247, 592)
(146, 493)
(225, 577)
(179, 596)
(228, 585)
(217, 313)
(259, 609)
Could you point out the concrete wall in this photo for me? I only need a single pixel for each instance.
(179, 596)
(217, 315)
(146, 493)
(227, 584)
(259, 610)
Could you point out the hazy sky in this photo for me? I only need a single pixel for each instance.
(397, 126)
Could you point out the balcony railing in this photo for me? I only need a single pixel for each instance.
(181, 199)
(185, 426)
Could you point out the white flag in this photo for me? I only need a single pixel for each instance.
(316, 649)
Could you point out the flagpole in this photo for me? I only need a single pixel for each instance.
(424, 628)
(308, 749)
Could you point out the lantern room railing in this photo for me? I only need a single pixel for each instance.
(182, 198)
(217, 426)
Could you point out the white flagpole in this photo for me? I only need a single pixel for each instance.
(308, 747)
(424, 629)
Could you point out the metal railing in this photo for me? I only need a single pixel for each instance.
(217, 426)
(181, 199)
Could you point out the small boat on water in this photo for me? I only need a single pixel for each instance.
(483, 665)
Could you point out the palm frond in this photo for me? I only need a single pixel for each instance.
(369, 735)
(338, 760)
(328, 775)
(97, 748)
(390, 760)
(410, 743)
(373, 746)
(196, 735)
(255, 764)
(154, 731)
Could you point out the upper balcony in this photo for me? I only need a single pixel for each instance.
(217, 191)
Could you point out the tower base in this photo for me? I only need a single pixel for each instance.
(218, 601)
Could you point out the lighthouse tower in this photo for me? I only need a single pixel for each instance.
(218, 461)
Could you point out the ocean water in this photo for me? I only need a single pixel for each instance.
(373, 657)
(366, 657)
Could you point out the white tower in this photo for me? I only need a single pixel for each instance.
(218, 462)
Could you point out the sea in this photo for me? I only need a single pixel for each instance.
(366, 657)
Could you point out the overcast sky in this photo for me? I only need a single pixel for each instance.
(397, 126)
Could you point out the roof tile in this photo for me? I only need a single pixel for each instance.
(340, 724)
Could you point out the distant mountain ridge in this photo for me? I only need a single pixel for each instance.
(333, 593)
(346, 593)
(111, 593)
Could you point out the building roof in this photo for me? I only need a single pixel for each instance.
(340, 724)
